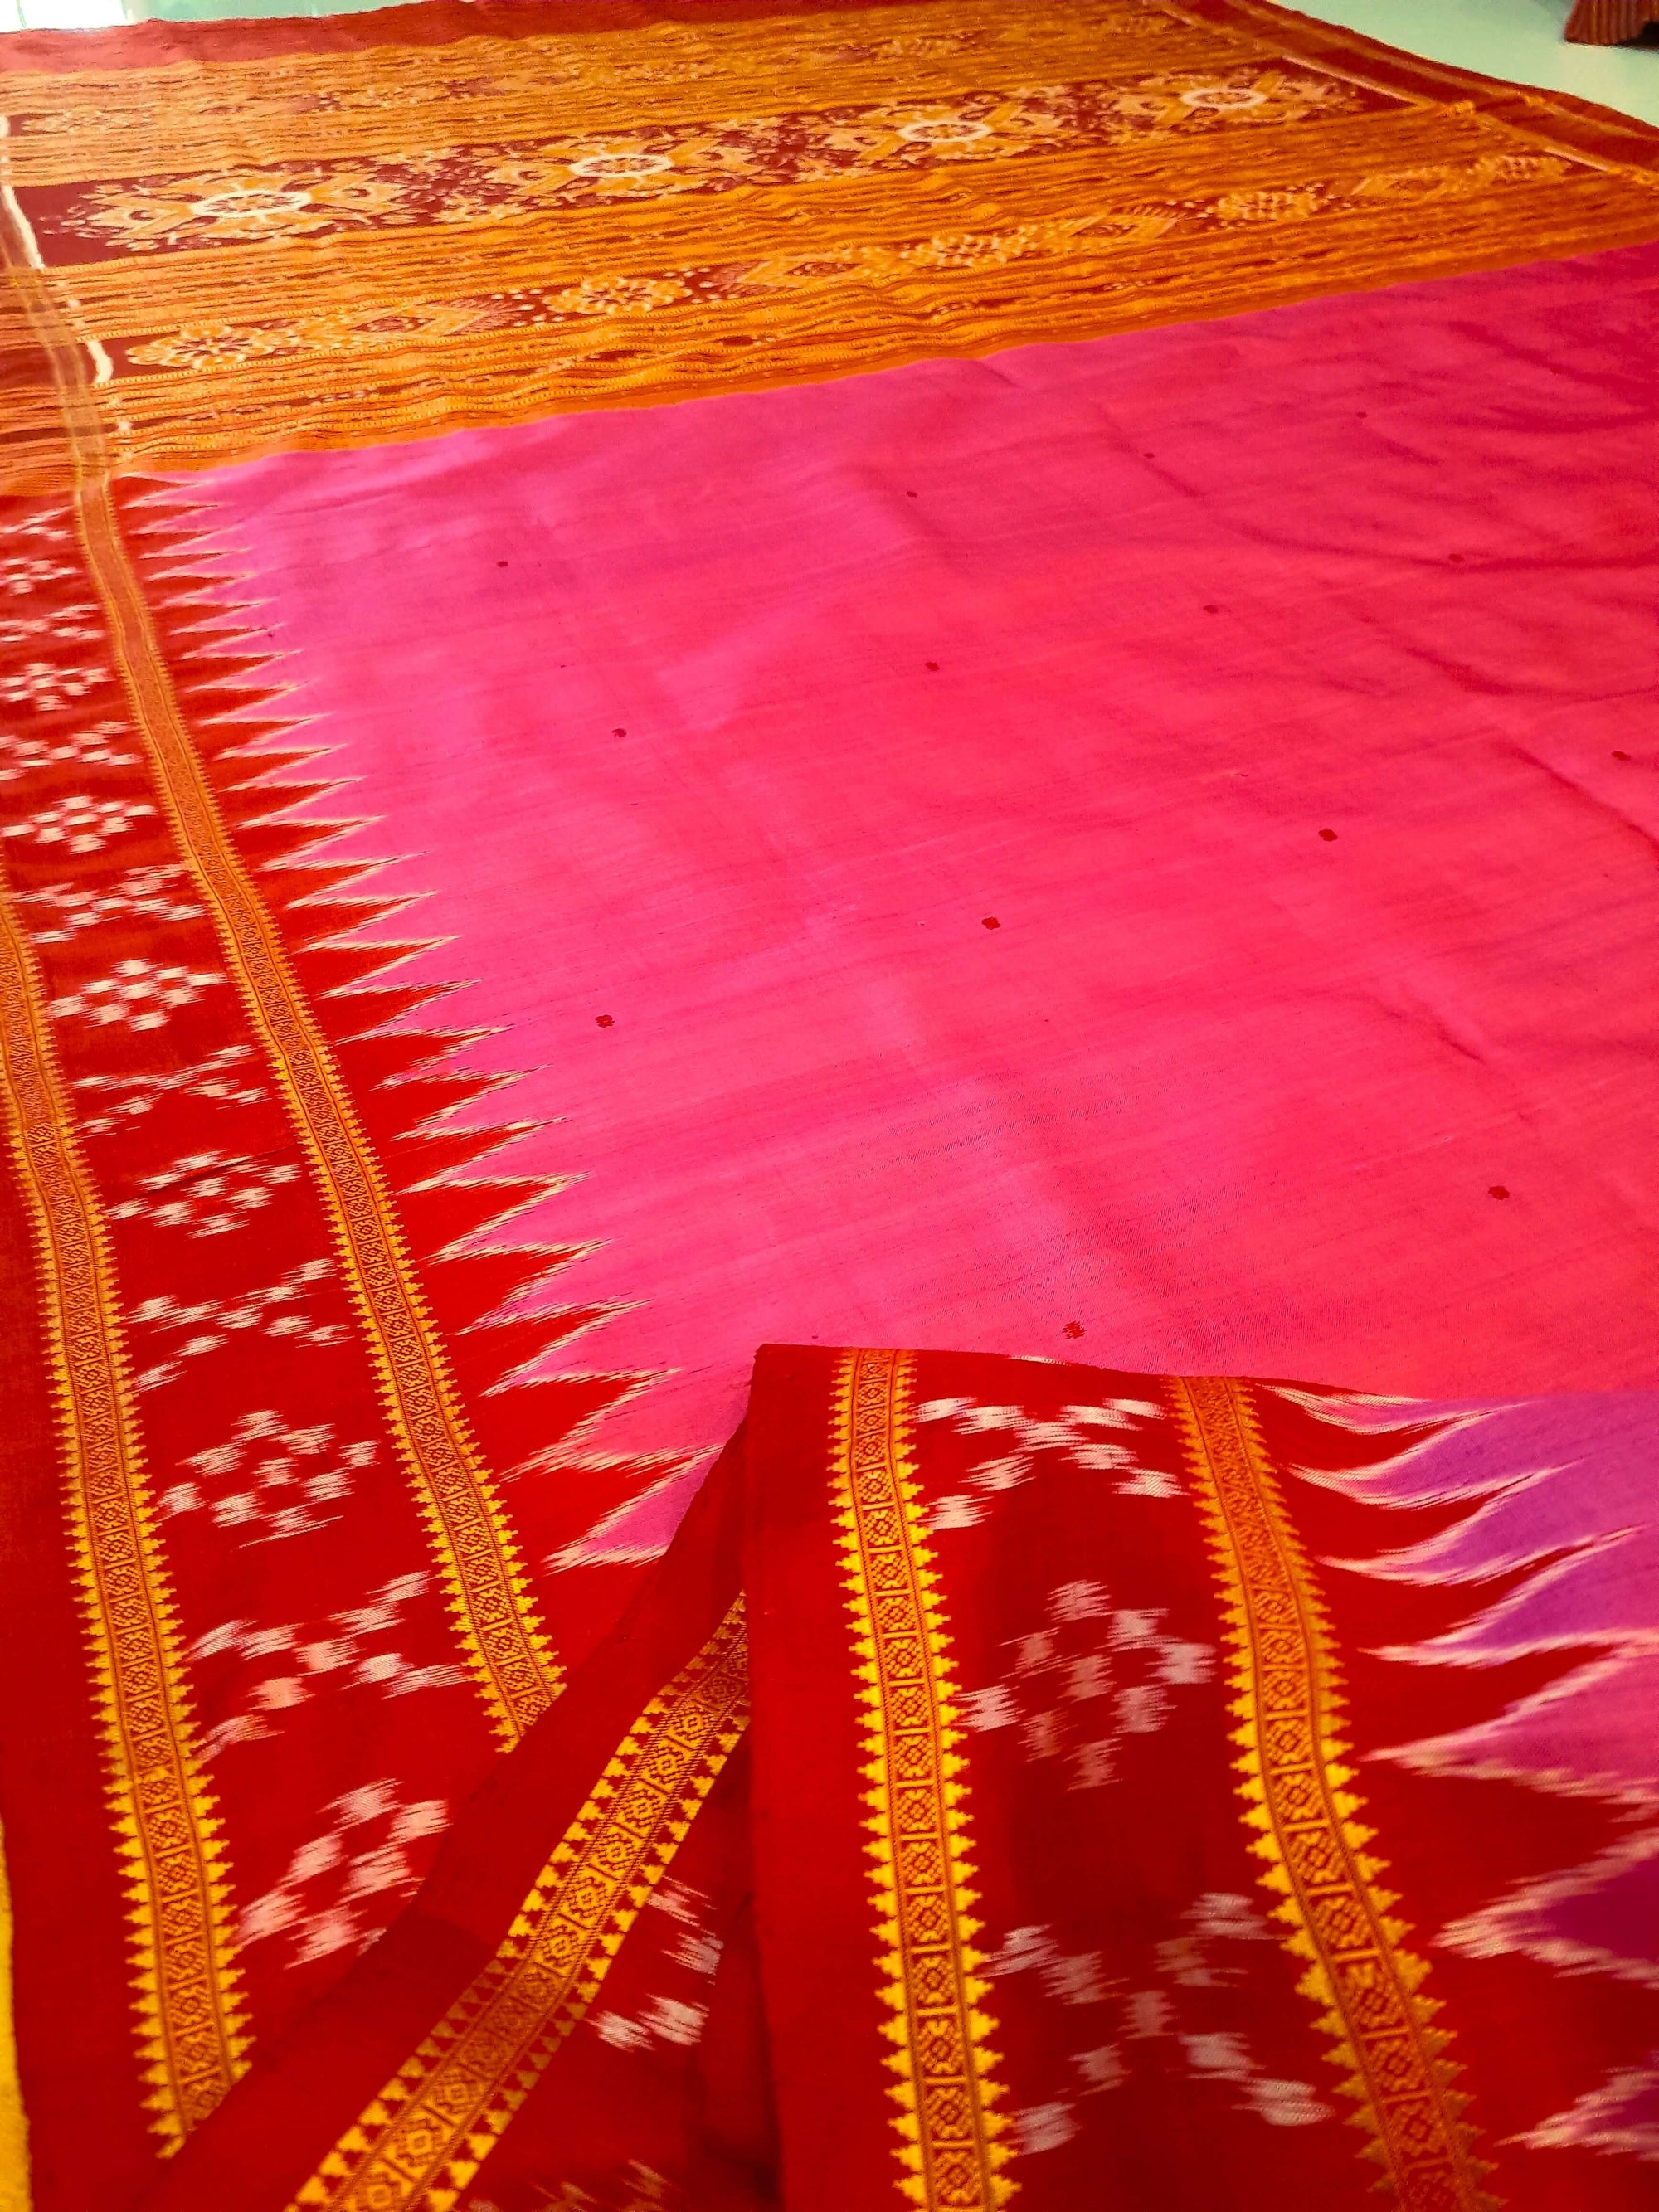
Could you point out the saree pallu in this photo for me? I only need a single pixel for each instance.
(1141, 844)
(1019, 1777)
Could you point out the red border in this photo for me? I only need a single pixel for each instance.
(305, 2088)
(71, 1984)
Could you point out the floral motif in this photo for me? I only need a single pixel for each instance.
(223, 1078)
(21, 574)
(50, 528)
(141, 895)
(340, 1888)
(1074, 1433)
(206, 1193)
(1092, 1675)
(475, 184)
(70, 623)
(225, 347)
(283, 1476)
(90, 748)
(1175, 2011)
(284, 1310)
(81, 824)
(139, 995)
(44, 686)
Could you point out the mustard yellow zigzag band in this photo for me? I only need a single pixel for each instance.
(191, 2028)
(424, 2137)
(1287, 1698)
(921, 1862)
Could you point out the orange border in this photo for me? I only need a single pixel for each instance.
(1601, 132)
(426, 23)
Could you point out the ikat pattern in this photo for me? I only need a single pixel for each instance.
(1364, 1983)
(336, 1893)
(139, 895)
(225, 1077)
(296, 1660)
(286, 1310)
(271, 1481)
(1162, 2015)
(435, 2122)
(233, 1302)
(81, 824)
(748, 202)
(206, 1193)
(136, 995)
(1100, 1439)
(676, 2016)
(100, 746)
(1093, 1673)
(458, 185)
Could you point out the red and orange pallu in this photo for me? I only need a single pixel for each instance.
(940, 672)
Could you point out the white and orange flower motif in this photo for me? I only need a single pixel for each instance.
(138, 994)
(81, 824)
(44, 686)
(23, 573)
(94, 747)
(237, 207)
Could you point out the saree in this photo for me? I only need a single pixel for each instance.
(683, 675)
(1002, 1786)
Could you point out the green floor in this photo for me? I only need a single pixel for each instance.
(1517, 38)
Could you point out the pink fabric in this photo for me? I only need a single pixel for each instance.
(1551, 1521)
(650, 700)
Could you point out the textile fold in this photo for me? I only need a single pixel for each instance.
(1025, 1776)
(1085, 786)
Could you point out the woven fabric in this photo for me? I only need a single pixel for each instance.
(1213, 1790)
(1086, 786)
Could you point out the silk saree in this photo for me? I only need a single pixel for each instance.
(970, 1805)
(920, 674)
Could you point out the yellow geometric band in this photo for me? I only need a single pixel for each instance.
(475, 1548)
(1288, 1700)
(191, 2031)
(424, 2137)
(921, 1866)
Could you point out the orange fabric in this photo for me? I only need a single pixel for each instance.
(431, 220)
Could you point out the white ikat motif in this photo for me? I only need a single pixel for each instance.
(138, 994)
(82, 822)
(282, 1310)
(352, 1649)
(206, 1193)
(1098, 1439)
(342, 1887)
(269, 1479)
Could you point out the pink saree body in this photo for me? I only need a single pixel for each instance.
(1143, 842)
